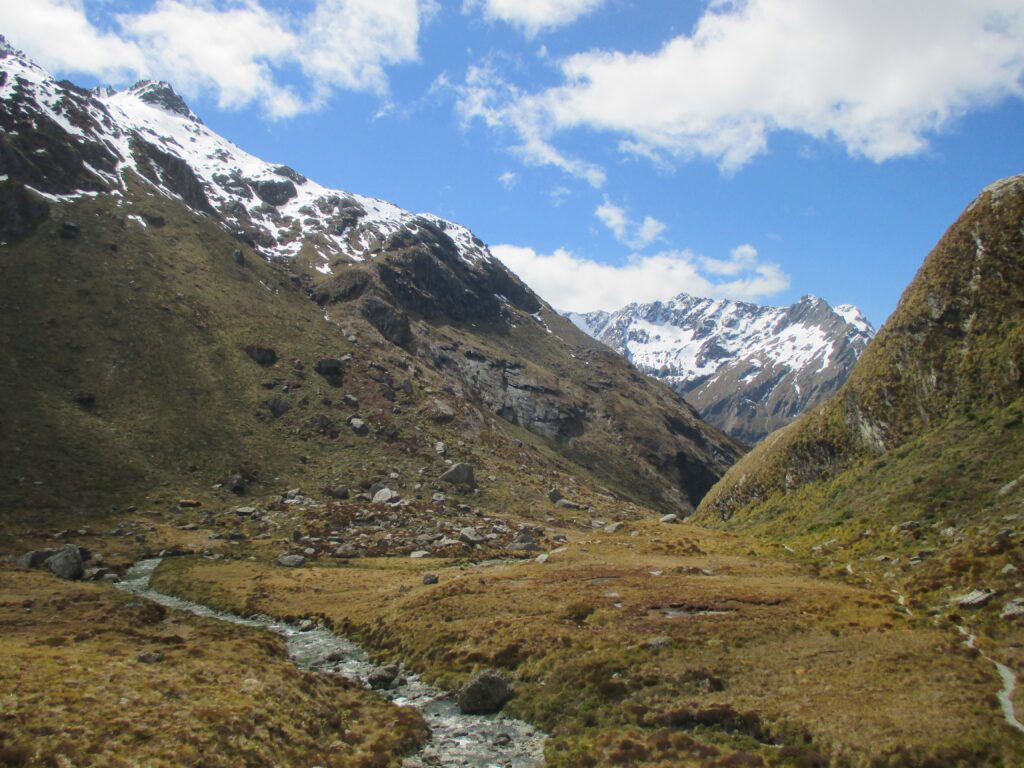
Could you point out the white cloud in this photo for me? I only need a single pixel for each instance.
(876, 76)
(228, 52)
(59, 36)
(508, 179)
(533, 16)
(573, 283)
(347, 43)
(500, 105)
(235, 49)
(628, 232)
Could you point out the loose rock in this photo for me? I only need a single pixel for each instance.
(485, 693)
(291, 561)
(66, 563)
(459, 474)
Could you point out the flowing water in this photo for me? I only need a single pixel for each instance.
(457, 740)
(1006, 675)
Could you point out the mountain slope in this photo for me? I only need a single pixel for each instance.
(910, 474)
(747, 369)
(179, 310)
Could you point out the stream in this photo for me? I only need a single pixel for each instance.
(457, 740)
(1009, 682)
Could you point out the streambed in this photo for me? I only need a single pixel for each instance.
(457, 740)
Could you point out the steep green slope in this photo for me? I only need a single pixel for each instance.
(954, 348)
(124, 336)
(909, 477)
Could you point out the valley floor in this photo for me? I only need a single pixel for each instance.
(655, 645)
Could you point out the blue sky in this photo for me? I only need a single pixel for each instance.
(608, 150)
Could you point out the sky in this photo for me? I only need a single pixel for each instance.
(608, 151)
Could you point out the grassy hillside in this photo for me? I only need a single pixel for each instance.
(953, 349)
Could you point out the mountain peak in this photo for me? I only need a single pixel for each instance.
(160, 93)
(747, 368)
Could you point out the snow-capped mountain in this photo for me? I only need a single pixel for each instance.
(150, 130)
(748, 369)
(129, 196)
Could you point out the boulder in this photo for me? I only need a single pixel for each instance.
(345, 551)
(35, 558)
(66, 563)
(384, 677)
(555, 495)
(264, 356)
(386, 496)
(439, 411)
(614, 527)
(338, 492)
(670, 519)
(485, 693)
(459, 474)
(278, 407)
(359, 427)
(150, 657)
(291, 561)
(429, 578)
(235, 484)
(976, 598)
(331, 369)
(470, 535)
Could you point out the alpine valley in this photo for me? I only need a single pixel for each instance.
(292, 476)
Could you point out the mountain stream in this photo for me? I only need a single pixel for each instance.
(457, 740)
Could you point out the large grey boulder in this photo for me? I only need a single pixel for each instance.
(66, 563)
(459, 474)
(485, 693)
(291, 561)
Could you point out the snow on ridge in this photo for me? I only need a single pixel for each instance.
(689, 337)
(341, 224)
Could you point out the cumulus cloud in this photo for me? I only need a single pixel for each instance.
(509, 179)
(637, 235)
(533, 16)
(60, 36)
(236, 50)
(875, 76)
(576, 284)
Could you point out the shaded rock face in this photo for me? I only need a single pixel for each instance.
(508, 390)
(172, 172)
(428, 276)
(274, 192)
(161, 94)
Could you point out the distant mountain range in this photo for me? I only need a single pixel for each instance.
(747, 369)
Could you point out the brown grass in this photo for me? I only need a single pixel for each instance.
(74, 693)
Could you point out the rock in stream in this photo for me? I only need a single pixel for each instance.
(457, 740)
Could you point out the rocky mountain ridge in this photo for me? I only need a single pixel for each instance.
(411, 314)
(748, 369)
